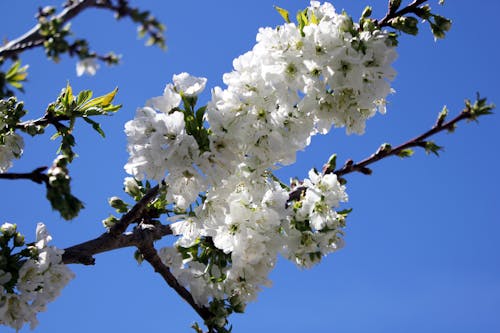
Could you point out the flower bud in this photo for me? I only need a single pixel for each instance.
(8, 229)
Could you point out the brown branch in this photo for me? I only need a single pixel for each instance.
(135, 213)
(83, 253)
(151, 255)
(36, 175)
(386, 151)
(143, 239)
(33, 38)
(393, 12)
(114, 239)
(47, 119)
(419, 141)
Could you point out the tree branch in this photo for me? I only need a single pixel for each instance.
(114, 239)
(419, 141)
(43, 121)
(135, 213)
(142, 238)
(470, 112)
(151, 255)
(83, 253)
(36, 176)
(392, 12)
(33, 38)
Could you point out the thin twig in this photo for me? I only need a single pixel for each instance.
(43, 121)
(392, 13)
(36, 175)
(419, 141)
(33, 38)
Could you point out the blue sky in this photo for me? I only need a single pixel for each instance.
(421, 251)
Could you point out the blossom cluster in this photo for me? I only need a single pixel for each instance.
(40, 277)
(234, 217)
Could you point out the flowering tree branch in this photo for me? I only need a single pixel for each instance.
(212, 163)
(41, 33)
(470, 112)
(34, 38)
(407, 18)
(393, 11)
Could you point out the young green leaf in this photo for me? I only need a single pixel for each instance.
(405, 153)
(431, 147)
(95, 125)
(83, 97)
(101, 101)
(284, 13)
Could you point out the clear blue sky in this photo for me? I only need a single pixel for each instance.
(422, 251)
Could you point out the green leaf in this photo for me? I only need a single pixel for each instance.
(345, 212)
(55, 136)
(102, 101)
(12, 70)
(95, 126)
(431, 147)
(68, 96)
(112, 108)
(313, 19)
(479, 108)
(406, 153)
(16, 84)
(16, 74)
(83, 97)
(284, 13)
(408, 25)
(302, 21)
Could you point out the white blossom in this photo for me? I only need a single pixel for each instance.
(11, 148)
(87, 66)
(189, 85)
